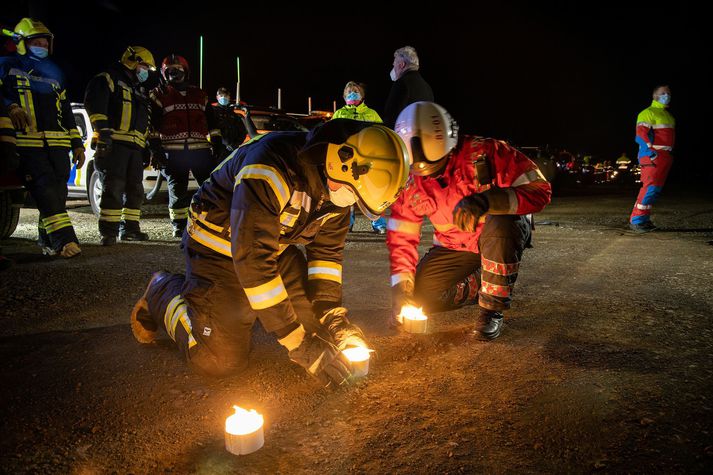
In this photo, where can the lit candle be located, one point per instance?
(413, 319)
(359, 359)
(243, 432)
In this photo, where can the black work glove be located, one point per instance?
(322, 359)
(158, 157)
(469, 210)
(103, 143)
(401, 295)
(343, 333)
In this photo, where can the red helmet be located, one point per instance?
(174, 59)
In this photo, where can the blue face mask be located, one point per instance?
(664, 99)
(223, 101)
(39, 52)
(142, 74)
(353, 98)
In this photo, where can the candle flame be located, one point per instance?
(243, 421)
(413, 313)
(357, 353)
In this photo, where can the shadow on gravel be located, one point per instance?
(597, 355)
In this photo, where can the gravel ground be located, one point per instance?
(604, 364)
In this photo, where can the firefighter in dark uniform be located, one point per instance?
(183, 119)
(33, 90)
(231, 126)
(119, 110)
(277, 191)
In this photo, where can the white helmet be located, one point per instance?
(430, 133)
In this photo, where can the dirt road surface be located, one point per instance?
(604, 364)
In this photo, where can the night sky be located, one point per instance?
(567, 75)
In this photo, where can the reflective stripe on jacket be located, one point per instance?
(38, 87)
(433, 197)
(655, 130)
(115, 101)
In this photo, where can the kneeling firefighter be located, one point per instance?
(276, 191)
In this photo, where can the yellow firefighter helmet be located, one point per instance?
(374, 164)
(28, 29)
(135, 55)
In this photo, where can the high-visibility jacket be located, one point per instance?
(37, 85)
(7, 131)
(358, 112)
(264, 198)
(524, 190)
(655, 130)
(117, 102)
(183, 118)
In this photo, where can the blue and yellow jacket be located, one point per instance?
(265, 196)
(37, 85)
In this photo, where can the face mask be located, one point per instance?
(223, 101)
(664, 99)
(142, 74)
(39, 52)
(176, 75)
(392, 74)
(343, 197)
(353, 98)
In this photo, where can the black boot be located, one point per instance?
(133, 236)
(143, 326)
(108, 240)
(489, 324)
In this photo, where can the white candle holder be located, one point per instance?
(413, 319)
(244, 432)
(359, 359)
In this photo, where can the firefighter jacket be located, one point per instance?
(37, 85)
(655, 130)
(8, 159)
(264, 198)
(116, 101)
(512, 182)
(359, 112)
(183, 118)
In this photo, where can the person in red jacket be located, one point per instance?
(186, 129)
(477, 192)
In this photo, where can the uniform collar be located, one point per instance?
(657, 105)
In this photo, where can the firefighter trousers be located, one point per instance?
(207, 314)
(121, 172)
(45, 172)
(448, 279)
(178, 165)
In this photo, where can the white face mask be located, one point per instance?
(343, 197)
(392, 74)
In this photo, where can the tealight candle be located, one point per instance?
(413, 319)
(359, 359)
(243, 431)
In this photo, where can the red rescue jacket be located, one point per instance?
(435, 197)
(183, 117)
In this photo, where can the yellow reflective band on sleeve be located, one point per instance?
(95, 117)
(266, 295)
(529, 177)
(74, 134)
(109, 80)
(271, 176)
(205, 238)
(125, 110)
(214, 133)
(176, 312)
(8, 138)
(204, 221)
(288, 219)
(406, 227)
(326, 270)
(6, 123)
